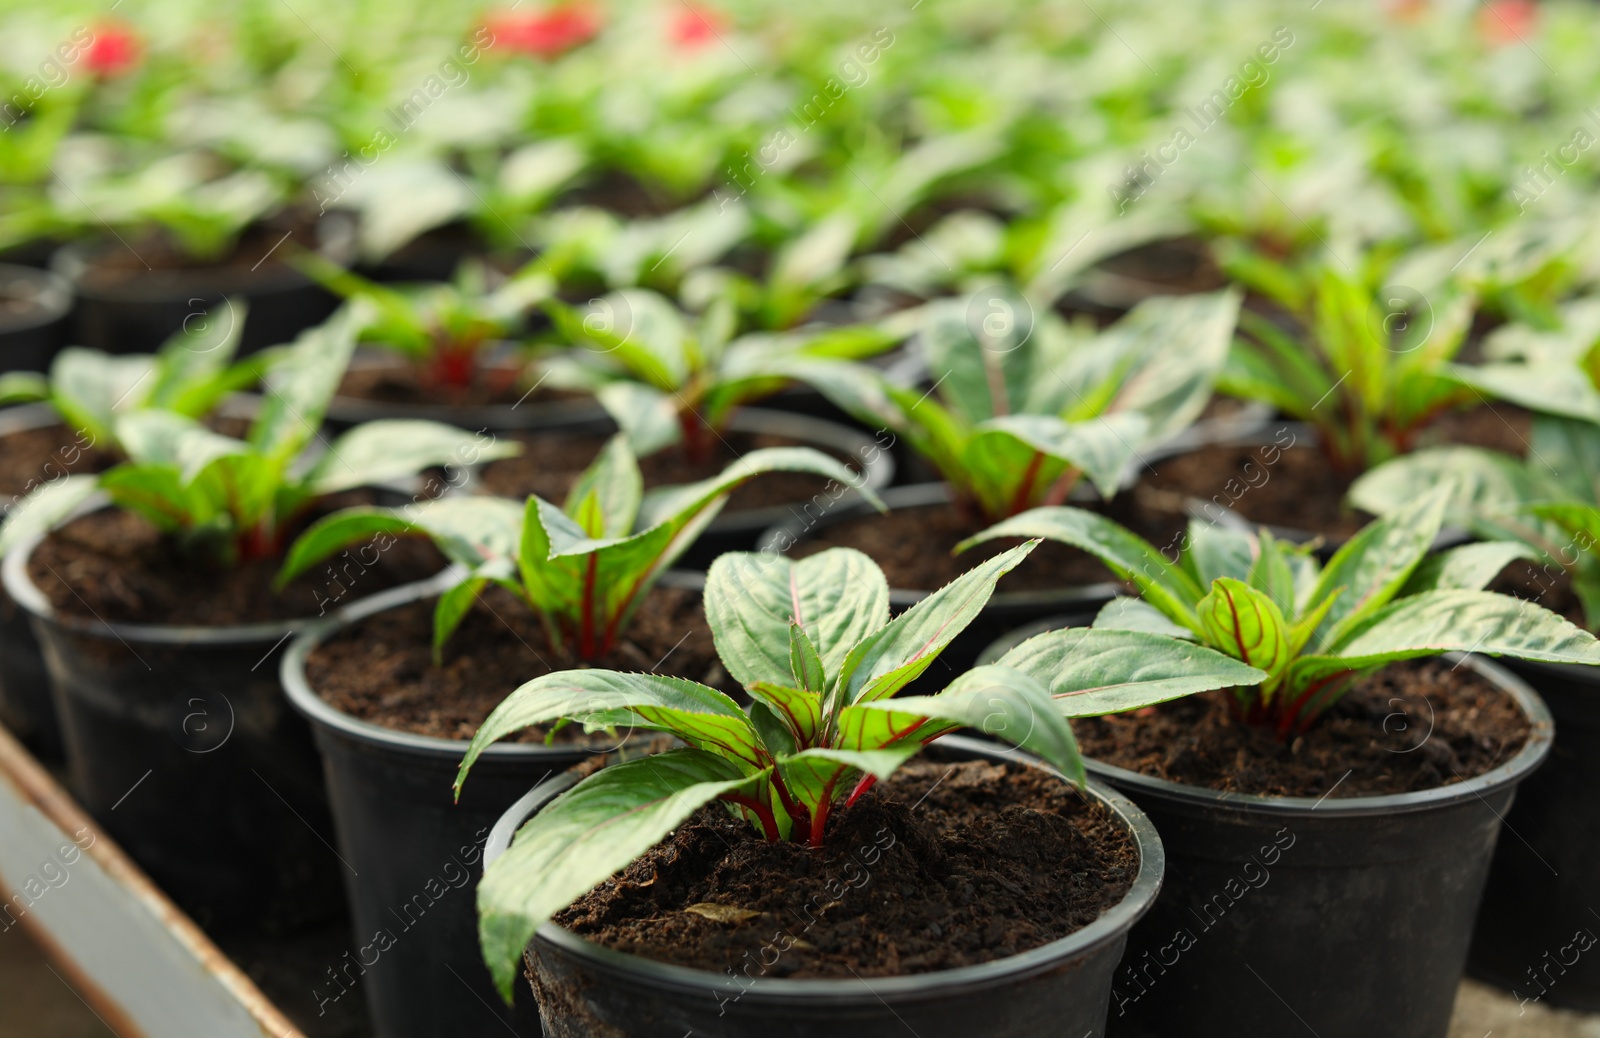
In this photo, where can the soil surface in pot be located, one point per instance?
(1548, 585)
(551, 462)
(1497, 426)
(381, 669)
(946, 865)
(256, 253)
(31, 457)
(402, 382)
(1286, 482)
(1413, 726)
(1286, 486)
(113, 565)
(913, 547)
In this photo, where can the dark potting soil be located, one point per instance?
(1181, 264)
(381, 668)
(551, 462)
(115, 566)
(1282, 482)
(405, 383)
(32, 457)
(1544, 583)
(913, 548)
(1414, 725)
(1499, 427)
(944, 866)
(256, 252)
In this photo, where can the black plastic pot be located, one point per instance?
(1293, 915)
(180, 743)
(1006, 609)
(30, 337)
(414, 853)
(25, 704)
(347, 411)
(1058, 989)
(1538, 930)
(138, 314)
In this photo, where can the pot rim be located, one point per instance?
(305, 700)
(19, 418)
(20, 586)
(924, 495)
(55, 297)
(1112, 925)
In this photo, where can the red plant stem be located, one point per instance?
(769, 823)
(454, 365)
(796, 810)
(586, 646)
(1019, 500)
(696, 436)
(819, 821)
(866, 783)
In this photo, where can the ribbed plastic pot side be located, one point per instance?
(1537, 933)
(1277, 911)
(180, 742)
(1058, 988)
(414, 852)
(25, 704)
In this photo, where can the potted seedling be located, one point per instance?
(64, 424)
(156, 614)
(1350, 786)
(1023, 409)
(1361, 366)
(677, 384)
(394, 690)
(767, 803)
(448, 351)
(185, 230)
(1547, 503)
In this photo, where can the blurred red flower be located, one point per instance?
(113, 50)
(546, 33)
(693, 26)
(1507, 21)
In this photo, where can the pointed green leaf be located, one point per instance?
(839, 596)
(798, 709)
(1445, 621)
(1135, 614)
(1470, 567)
(896, 654)
(378, 451)
(1374, 565)
(1091, 672)
(586, 836)
(604, 501)
(1164, 585)
(451, 609)
(1247, 625)
(1003, 703)
(821, 773)
(701, 716)
(804, 662)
